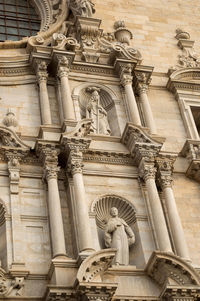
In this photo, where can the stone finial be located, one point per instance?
(10, 120)
(182, 35)
(122, 34)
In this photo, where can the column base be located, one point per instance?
(69, 125)
(50, 132)
(62, 271)
(18, 269)
(83, 255)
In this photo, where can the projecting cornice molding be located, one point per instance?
(10, 140)
(167, 268)
(140, 143)
(178, 279)
(185, 80)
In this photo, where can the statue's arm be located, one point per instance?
(108, 239)
(130, 235)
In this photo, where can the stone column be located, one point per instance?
(126, 81)
(67, 102)
(165, 179)
(147, 171)
(42, 76)
(54, 206)
(142, 89)
(81, 208)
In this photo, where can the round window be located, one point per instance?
(18, 19)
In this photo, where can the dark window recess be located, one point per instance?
(18, 19)
(196, 116)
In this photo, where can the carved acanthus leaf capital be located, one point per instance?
(75, 161)
(75, 146)
(142, 81)
(41, 70)
(49, 156)
(63, 66)
(147, 170)
(51, 171)
(165, 167)
(125, 71)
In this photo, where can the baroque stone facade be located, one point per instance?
(100, 153)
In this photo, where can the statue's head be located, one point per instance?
(114, 211)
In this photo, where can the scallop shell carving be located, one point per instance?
(101, 208)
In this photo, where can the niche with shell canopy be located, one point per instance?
(101, 208)
(107, 116)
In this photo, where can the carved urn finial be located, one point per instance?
(182, 35)
(10, 120)
(122, 34)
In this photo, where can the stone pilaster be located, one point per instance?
(14, 158)
(165, 171)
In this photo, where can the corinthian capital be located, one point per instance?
(41, 70)
(75, 162)
(142, 78)
(51, 171)
(165, 167)
(147, 171)
(63, 66)
(126, 74)
(49, 156)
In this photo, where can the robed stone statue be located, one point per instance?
(120, 236)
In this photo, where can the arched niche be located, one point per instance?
(107, 100)
(3, 239)
(100, 210)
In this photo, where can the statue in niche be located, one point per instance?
(120, 236)
(97, 113)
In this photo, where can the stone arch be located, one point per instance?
(108, 101)
(173, 274)
(95, 265)
(101, 207)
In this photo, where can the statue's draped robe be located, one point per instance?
(116, 237)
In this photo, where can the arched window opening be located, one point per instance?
(18, 19)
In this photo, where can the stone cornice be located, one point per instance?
(140, 144)
(109, 157)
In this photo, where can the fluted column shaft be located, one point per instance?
(156, 209)
(148, 116)
(42, 76)
(55, 213)
(174, 218)
(81, 207)
(67, 102)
